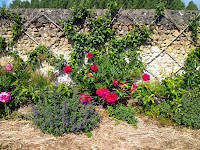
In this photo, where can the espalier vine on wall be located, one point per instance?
(3, 44)
(193, 27)
(116, 56)
(16, 23)
(160, 9)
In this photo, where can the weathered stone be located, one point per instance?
(176, 33)
(163, 33)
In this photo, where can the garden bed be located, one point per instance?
(149, 134)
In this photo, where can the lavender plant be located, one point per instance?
(57, 115)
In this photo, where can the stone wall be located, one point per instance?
(163, 54)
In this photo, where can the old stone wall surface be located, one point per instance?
(164, 53)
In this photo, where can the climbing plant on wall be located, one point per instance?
(16, 23)
(113, 56)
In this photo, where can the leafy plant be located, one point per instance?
(190, 112)
(79, 14)
(123, 113)
(16, 23)
(191, 70)
(160, 9)
(160, 98)
(193, 26)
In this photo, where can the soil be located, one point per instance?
(19, 134)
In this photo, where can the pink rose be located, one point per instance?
(9, 68)
(85, 97)
(67, 69)
(146, 77)
(93, 67)
(5, 97)
(89, 54)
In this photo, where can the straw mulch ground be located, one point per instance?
(149, 135)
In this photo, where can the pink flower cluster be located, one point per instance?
(5, 97)
(9, 68)
(105, 94)
(85, 97)
(102, 92)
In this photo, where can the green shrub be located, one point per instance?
(123, 113)
(57, 115)
(168, 90)
(190, 113)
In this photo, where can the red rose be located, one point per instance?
(85, 97)
(93, 67)
(133, 88)
(111, 98)
(102, 92)
(115, 82)
(67, 69)
(146, 77)
(89, 54)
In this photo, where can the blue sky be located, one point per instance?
(197, 2)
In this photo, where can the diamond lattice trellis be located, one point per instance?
(159, 47)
